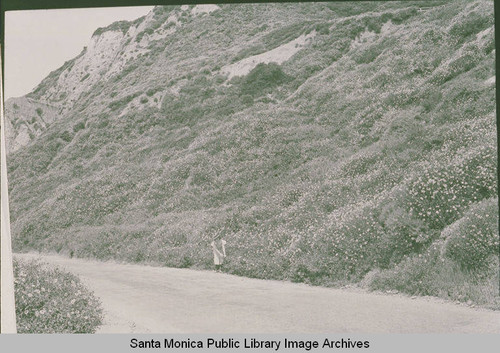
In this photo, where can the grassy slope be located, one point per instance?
(352, 161)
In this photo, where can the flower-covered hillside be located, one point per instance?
(368, 156)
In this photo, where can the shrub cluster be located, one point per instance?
(161, 13)
(429, 273)
(414, 275)
(79, 126)
(470, 56)
(263, 78)
(53, 301)
(122, 102)
(473, 239)
(471, 24)
(359, 172)
(122, 26)
(440, 195)
(249, 51)
(284, 34)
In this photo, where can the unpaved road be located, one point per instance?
(148, 299)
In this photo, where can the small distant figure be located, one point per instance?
(218, 255)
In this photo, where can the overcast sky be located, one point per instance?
(40, 41)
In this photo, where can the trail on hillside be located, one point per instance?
(143, 299)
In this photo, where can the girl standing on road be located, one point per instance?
(219, 256)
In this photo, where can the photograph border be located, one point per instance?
(16, 5)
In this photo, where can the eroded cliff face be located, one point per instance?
(27, 117)
(107, 54)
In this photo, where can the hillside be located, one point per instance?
(329, 143)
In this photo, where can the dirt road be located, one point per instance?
(148, 299)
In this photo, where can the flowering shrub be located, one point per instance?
(474, 238)
(413, 275)
(348, 158)
(431, 274)
(403, 235)
(360, 163)
(53, 301)
(369, 54)
(440, 195)
(470, 56)
(473, 23)
(352, 239)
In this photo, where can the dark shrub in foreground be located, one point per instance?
(52, 301)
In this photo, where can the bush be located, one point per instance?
(122, 26)
(430, 274)
(127, 70)
(79, 126)
(412, 276)
(53, 301)
(283, 35)
(84, 77)
(403, 235)
(359, 164)
(323, 28)
(470, 58)
(250, 51)
(472, 24)
(247, 99)
(369, 54)
(431, 99)
(474, 238)
(404, 14)
(352, 242)
(151, 91)
(66, 136)
(262, 78)
(122, 102)
(440, 195)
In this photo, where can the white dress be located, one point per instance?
(218, 256)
